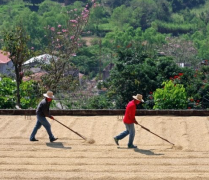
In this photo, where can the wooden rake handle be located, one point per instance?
(155, 134)
(70, 129)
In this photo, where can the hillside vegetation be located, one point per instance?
(142, 38)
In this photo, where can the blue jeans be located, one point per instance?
(42, 121)
(130, 130)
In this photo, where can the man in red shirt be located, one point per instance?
(129, 121)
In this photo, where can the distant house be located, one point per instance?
(34, 65)
(184, 64)
(44, 58)
(204, 62)
(6, 64)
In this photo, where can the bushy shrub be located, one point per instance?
(7, 93)
(29, 94)
(171, 96)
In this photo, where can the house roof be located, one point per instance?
(4, 57)
(42, 58)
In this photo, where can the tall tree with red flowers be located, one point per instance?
(63, 43)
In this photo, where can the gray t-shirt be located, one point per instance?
(43, 108)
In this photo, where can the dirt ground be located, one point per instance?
(70, 157)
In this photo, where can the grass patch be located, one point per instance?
(106, 27)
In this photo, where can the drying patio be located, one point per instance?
(70, 157)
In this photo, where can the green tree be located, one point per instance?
(121, 17)
(171, 96)
(164, 10)
(143, 13)
(136, 71)
(98, 17)
(147, 40)
(115, 3)
(29, 92)
(7, 91)
(16, 42)
(124, 80)
(87, 61)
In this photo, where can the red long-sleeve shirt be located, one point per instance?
(129, 117)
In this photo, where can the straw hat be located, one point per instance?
(49, 94)
(138, 97)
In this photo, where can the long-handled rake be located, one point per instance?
(155, 134)
(90, 141)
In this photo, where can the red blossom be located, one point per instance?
(180, 74)
(191, 100)
(189, 107)
(129, 45)
(198, 101)
(150, 92)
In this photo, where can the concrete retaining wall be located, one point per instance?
(140, 112)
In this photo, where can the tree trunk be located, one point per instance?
(18, 85)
